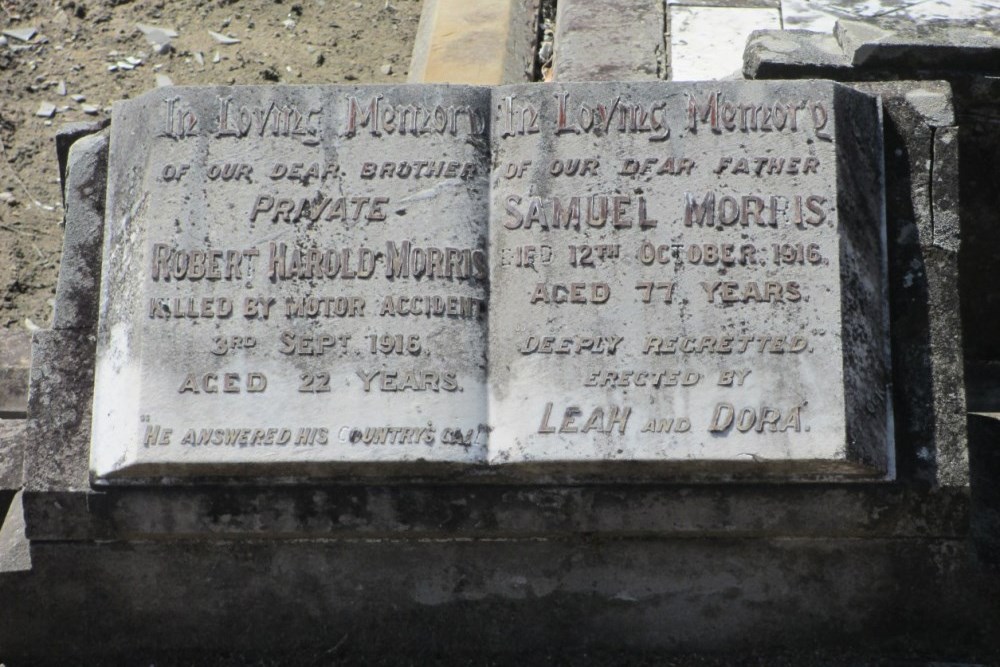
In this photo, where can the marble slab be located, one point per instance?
(300, 281)
(292, 275)
(689, 272)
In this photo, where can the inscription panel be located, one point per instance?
(425, 277)
(689, 272)
(294, 275)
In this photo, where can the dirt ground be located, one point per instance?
(79, 42)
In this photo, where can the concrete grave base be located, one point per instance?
(364, 571)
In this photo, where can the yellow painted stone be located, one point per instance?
(485, 42)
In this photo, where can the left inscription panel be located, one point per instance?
(293, 277)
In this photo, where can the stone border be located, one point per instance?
(483, 42)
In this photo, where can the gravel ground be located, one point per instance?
(65, 61)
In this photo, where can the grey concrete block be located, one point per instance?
(978, 115)
(927, 339)
(15, 555)
(66, 136)
(926, 327)
(960, 46)
(771, 53)
(377, 600)
(80, 271)
(945, 189)
(872, 49)
(439, 511)
(596, 41)
(57, 443)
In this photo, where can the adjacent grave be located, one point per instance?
(300, 278)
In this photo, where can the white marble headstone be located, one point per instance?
(310, 279)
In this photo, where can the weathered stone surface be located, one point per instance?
(57, 436)
(734, 4)
(14, 552)
(80, 269)
(500, 33)
(771, 53)
(490, 512)
(822, 16)
(927, 333)
(373, 601)
(11, 453)
(945, 187)
(874, 49)
(890, 43)
(15, 361)
(597, 42)
(293, 275)
(248, 392)
(66, 137)
(984, 457)
(978, 116)
(705, 41)
(468, 568)
(588, 359)
(928, 374)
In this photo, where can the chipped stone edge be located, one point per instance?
(15, 553)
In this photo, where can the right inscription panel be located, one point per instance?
(689, 272)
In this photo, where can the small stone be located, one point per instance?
(158, 37)
(148, 30)
(46, 110)
(162, 49)
(3, 41)
(217, 58)
(132, 60)
(8, 198)
(112, 68)
(199, 58)
(125, 65)
(223, 39)
(162, 80)
(289, 23)
(386, 69)
(29, 325)
(78, 98)
(61, 88)
(90, 109)
(21, 34)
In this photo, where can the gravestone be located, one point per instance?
(293, 275)
(323, 280)
(691, 273)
